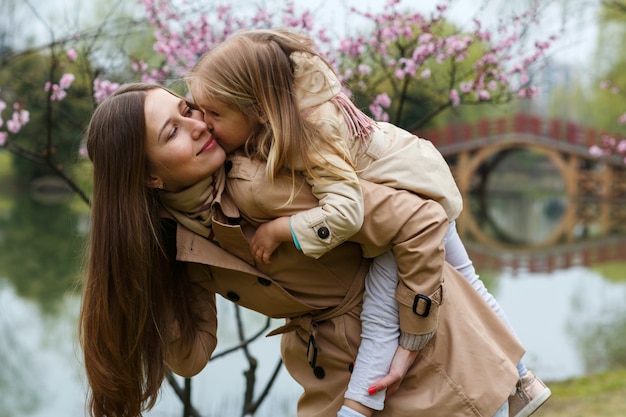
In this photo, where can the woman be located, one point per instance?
(149, 295)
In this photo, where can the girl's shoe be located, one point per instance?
(530, 393)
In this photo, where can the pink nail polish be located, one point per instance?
(372, 390)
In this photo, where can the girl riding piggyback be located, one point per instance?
(306, 124)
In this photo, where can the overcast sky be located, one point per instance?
(575, 47)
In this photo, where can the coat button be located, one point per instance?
(323, 232)
(319, 373)
(264, 281)
(232, 296)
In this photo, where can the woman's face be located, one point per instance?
(179, 146)
(230, 127)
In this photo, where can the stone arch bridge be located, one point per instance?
(595, 187)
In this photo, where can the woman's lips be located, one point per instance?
(209, 144)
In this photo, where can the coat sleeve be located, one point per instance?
(186, 359)
(414, 228)
(339, 214)
(340, 210)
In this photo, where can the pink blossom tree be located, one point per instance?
(611, 144)
(397, 57)
(613, 79)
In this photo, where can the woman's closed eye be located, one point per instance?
(172, 133)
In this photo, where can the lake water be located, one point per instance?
(41, 374)
(554, 313)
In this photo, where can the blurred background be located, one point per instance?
(528, 110)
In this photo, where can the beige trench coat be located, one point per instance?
(467, 369)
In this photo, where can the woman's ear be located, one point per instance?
(155, 182)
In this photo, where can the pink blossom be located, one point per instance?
(380, 101)
(483, 95)
(139, 66)
(454, 98)
(364, 69)
(66, 81)
(3, 138)
(383, 100)
(622, 118)
(425, 73)
(72, 54)
(18, 120)
(608, 141)
(24, 116)
(466, 87)
(103, 89)
(596, 151)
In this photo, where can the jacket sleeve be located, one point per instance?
(186, 359)
(339, 214)
(414, 229)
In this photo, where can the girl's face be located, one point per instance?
(180, 149)
(230, 127)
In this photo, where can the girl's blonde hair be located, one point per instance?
(252, 72)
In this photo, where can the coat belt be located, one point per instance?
(307, 321)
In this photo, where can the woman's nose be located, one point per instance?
(198, 127)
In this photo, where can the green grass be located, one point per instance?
(601, 395)
(612, 271)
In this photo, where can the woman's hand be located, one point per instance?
(268, 237)
(402, 361)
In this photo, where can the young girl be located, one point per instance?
(268, 90)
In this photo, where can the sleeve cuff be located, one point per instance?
(415, 341)
(293, 235)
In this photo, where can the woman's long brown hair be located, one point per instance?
(133, 288)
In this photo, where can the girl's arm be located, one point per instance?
(331, 217)
(338, 213)
(268, 237)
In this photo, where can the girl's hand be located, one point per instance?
(268, 237)
(402, 361)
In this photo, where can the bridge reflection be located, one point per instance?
(560, 256)
(535, 198)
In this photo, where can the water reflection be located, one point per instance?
(520, 200)
(40, 374)
(555, 313)
(569, 315)
(40, 250)
(601, 340)
(17, 371)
